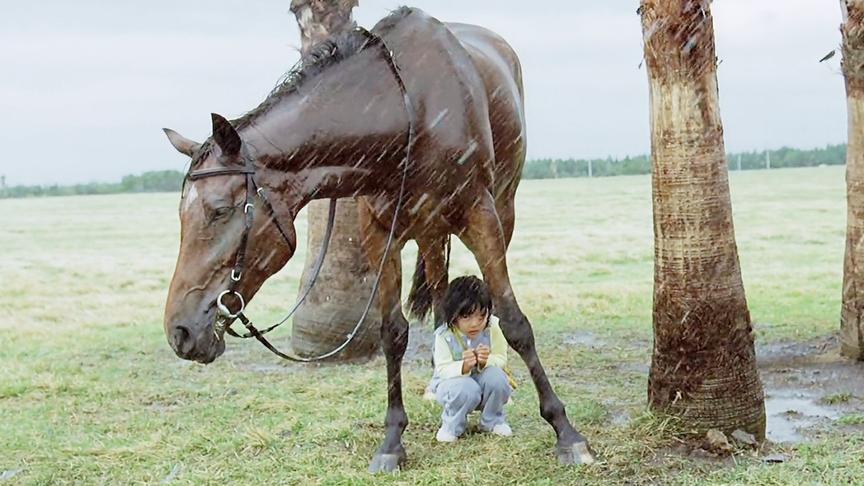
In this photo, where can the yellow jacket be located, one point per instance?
(449, 344)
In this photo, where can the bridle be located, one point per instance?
(226, 317)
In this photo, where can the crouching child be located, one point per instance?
(470, 355)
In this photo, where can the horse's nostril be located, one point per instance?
(183, 342)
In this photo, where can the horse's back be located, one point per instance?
(439, 75)
(492, 55)
(465, 85)
(501, 71)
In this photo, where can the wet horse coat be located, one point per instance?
(337, 128)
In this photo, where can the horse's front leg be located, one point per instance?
(485, 237)
(394, 338)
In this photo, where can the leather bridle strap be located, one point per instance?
(251, 188)
(201, 174)
(406, 163)
(316, 270)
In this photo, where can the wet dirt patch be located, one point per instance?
(808, 387)
(790, 416)
(618, 417)
(584, 339)
(419, 342)
(786, 352)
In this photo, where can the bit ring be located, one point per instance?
(223, 309)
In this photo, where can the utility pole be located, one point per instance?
(590, 169)
(767, 159)
(739, 162)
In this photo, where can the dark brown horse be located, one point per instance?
(338, 127)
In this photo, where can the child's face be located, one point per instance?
(472, 325)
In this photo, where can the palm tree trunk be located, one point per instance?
(852, 314)
(318, 19)
(345, 283)
(703, 367)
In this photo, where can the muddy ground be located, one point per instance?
(809, 387)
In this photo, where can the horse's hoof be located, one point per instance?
(578, 453)
(386, 463)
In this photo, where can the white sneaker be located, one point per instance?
(445, 435)
(502, 429)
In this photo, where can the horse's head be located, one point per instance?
(225, 255)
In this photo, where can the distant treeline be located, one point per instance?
(155, 181)
(171, 180)
(781, 158)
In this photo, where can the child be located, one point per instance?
(470, 354)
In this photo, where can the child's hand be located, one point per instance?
(469, 360)
(482, 354)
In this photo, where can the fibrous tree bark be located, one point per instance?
(339, 297)
(703, 366)
(319, 19)
(852, 313)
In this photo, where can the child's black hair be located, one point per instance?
(465, 296)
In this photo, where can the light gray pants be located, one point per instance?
(488, 391)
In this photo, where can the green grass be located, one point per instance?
(852, 419)
(91, 393)
(837, 398)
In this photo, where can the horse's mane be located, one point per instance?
(327, 53)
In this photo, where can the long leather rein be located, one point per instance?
(226, 317)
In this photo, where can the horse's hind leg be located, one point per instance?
(394, 338)
(435, 254)
(507, 215)
(484, 236)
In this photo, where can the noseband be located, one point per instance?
(226, 316)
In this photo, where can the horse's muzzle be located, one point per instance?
(196, 343)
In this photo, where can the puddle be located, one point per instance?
(641, 369)
(787, 415)
(269, 368)
(619, 418)
(420, 340)
(798, 377)
(792, 351)
(584, 338)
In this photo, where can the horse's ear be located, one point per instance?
(181, 143)
(225, 135)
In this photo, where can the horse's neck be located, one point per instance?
(335, 147)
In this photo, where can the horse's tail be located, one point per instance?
(420, 298)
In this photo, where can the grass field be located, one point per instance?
(90, 392)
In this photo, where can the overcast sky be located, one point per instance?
(85, 86)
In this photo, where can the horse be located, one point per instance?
(424, 123)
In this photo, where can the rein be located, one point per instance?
(226, 317)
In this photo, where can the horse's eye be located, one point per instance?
(221, 213)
